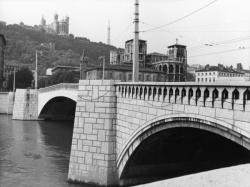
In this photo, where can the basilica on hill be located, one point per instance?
(59, 27)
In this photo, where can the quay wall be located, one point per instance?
(6, 102)
(25, 105)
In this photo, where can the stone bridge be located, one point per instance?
(118, 126)
(114, 119)
(57, 101)
(54, 102)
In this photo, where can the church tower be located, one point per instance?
(43, 22)
(56, 23)
(67, 24)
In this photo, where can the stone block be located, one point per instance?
(84, 82)
(224, 113)
(191, 109)
(88, 158)
(88, 128)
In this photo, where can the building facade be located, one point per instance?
(116, 56)
(246, 72)
(128, 53)
(124, 73)
(74, 69)
(9, 69)
(174, 64)
(155, 57)
(2, 48)
(218, 74)
(60, 27)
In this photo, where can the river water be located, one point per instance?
(34, 153)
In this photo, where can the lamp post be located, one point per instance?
(103, 66)
(136, 44)
(36, 70)
(83, 65)
(14, 80)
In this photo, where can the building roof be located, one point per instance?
(133, 40)
(216, 68)
(176, 45)
(66, 67)
(3, 38)
(119, 67)
(156, 54)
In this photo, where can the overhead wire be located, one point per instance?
(179, 36)
(214, 44)
(181, 18)
(221, 52)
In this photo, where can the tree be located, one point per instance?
(190, 77)
(24, 79)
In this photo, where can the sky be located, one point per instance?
(219, 33)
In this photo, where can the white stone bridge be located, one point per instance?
(115, 122)
(113, 119)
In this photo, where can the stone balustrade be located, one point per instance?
(235, 96)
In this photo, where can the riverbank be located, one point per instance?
(225, 177)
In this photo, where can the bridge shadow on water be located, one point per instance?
(181, 151)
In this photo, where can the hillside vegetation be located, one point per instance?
(22, 41)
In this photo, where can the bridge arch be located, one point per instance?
(159, 124)
(47, 94)
(58, 108)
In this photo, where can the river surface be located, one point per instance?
(34, 153)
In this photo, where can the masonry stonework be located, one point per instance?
(25, 105)
(6, 100)
(140, 105)
(93, 150)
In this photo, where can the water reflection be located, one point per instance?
(34, 153)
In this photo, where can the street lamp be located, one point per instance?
(103, 66)
(83, 64)
(36, 74)
(14, 80)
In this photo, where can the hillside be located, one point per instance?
(22, 41)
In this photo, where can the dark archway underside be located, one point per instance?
(180, 151)
(59, 108)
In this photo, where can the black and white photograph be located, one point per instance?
(118, 93)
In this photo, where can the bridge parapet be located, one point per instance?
(233, 96)
(65, 86)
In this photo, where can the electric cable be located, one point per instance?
(181, 18)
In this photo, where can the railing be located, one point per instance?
(229, 95)
(65, 86)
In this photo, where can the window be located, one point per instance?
(201, 79)
(205, 79)
(148, 78)
(209, 73)
(129, 76)
(214, 79)
(214, 73)
(209, 79)
(198, 79)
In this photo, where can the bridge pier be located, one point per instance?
(25, 104)
(93, 150)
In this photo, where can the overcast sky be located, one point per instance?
(220, 22)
